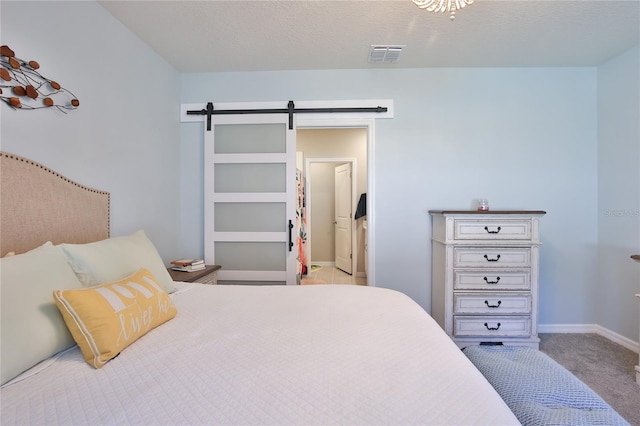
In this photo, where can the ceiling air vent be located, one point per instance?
(385, 53)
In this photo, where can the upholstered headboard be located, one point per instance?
(39, 205)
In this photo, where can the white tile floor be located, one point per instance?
(331, 275)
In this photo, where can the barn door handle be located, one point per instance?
(290, 236)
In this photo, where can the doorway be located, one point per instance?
(324, 150)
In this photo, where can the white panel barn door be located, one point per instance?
(250, 189)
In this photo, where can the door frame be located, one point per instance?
(368, 122)
(354, 170)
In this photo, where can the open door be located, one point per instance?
(343, 218)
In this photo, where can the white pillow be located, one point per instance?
(32, 328)
(115, 258)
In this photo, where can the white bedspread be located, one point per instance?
(319, 354)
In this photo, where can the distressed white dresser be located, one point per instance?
(484, 277)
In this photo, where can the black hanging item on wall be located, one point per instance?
(361, 210)
(291, 109)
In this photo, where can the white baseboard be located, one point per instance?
(591, 328)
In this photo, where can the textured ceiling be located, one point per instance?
(208, 36)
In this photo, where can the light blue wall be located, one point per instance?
(523, 138)
(534, 138)
(619, 193)
(125, 136)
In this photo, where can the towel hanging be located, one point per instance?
(361, 210)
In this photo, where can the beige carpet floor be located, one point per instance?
(605, 366)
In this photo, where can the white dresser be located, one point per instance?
(484, 280)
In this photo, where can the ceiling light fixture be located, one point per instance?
(436, 6)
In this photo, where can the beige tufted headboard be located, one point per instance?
(39, 205)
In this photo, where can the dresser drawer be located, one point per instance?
(491, 257)
(491, 303)
(494, 326)
(492, 229)
(494, 279)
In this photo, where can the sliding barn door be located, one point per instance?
(250, 212)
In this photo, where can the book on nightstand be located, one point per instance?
(188, 265)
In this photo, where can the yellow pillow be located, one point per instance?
(107, 318)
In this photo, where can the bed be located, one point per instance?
(318, 354)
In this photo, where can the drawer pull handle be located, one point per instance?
(493, 306)
(492, 328)
(492, 282)
(492, 260)
(486, 228)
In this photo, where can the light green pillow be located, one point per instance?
(115, 258)
(32, 328)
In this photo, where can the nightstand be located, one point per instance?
(209, 275)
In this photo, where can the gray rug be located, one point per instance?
(606, 367)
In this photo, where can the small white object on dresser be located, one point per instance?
(484, 276)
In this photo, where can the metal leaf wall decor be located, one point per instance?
(23, 87)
